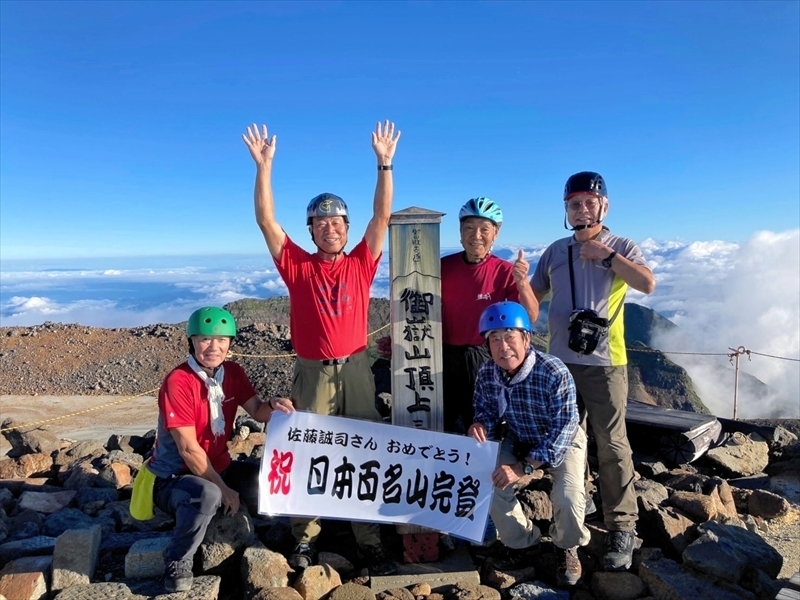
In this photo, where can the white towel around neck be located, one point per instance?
(215, 395)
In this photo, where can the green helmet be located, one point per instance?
(211, 321)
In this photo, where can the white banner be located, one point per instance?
(321, 466)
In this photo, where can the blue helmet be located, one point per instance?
(504, 315)
(483, 208)
(326, 205)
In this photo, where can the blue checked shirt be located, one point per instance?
(538, 404)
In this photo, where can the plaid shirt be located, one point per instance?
(538, 404)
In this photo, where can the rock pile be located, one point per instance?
(69, 359)
(66, 533)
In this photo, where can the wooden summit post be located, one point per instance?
(416, 313)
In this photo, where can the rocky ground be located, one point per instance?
(54, 370)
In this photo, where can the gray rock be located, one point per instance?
(652, 491)
(767, 505)
(291, 594)
(7, 499)
(92, 495)
(29, 442)
(119, 541)
(90, 449)
(45, 502)
(316, 582)
(757, 553)
(617, 586)
(82, 474)
(536, 591)
(25, 530)
(122, 514)
(472, 591)
(262, 568)
(35, 546)
(668, 581)
(751, 482)
(203, 588)
(698, 507)
(25, 578)
(740, 455)
(398, 593)
(225, 537)
(68, 518)
(75, 557)
(349, 591)
(130, 459)
(665, 527)
(145, 559)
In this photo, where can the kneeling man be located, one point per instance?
(534, 394)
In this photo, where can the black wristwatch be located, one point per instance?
(527, 468)
(606, 262)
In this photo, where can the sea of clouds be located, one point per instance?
(721, 295)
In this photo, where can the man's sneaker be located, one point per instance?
(303, 556)
(568, 567)
(378, 562)
(618, 550)
(178, 577)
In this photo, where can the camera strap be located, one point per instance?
(572, 287)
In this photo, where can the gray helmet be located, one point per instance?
(326, 205)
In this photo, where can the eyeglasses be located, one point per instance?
(590, 205)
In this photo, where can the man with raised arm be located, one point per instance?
(588, 274)
(329, 303)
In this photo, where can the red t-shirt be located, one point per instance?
(183, 402)
(328, 302)
(467, 289)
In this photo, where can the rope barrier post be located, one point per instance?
(734, 356)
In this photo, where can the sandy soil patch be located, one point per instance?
(98, 416)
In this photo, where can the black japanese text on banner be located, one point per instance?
(321, 466)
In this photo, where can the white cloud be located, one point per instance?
(727, 295)
(720, 294)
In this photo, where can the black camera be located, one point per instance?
(586, 330)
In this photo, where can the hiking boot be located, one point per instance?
(377, 561)
(568, 567)
(618, 550)
(178, 577)
(303, 556)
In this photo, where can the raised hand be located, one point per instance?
(384, 142)
(520, 269)
(261, 147)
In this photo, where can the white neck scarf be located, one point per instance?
(521, 375)
(215, 395)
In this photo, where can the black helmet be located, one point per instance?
(585, 181)
(326, 205)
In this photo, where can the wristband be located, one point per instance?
(269, 403)
(385, 167)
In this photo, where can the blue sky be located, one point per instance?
(120, 122)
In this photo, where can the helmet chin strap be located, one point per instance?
(600, 217)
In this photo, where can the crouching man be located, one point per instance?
(534, 394)
(197, 406)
